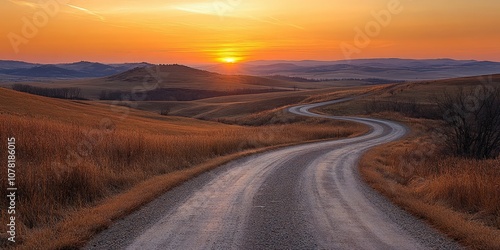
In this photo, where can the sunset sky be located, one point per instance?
(198, 31)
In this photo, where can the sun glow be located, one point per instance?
(229, 60)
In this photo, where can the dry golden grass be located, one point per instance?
(236, 107)
(74, 177)
(91, 114)
(458, 196)
(81, 225)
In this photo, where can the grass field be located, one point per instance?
(234, 109)
(74, 156)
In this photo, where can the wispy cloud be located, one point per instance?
(87, 11)
(207, 8)
(210, 9)
(275, 21)
(24, 3)
(35, 4)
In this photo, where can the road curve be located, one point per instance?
(308, 196)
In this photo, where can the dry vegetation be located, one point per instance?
(237, 107)
(459, 196)
(71, 171)
(65, 204)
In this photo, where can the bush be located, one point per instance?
(473, 119)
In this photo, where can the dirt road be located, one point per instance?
(301, 197)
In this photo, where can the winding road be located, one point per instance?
(308, 196)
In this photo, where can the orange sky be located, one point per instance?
(207, 31)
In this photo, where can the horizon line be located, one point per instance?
(260, 60)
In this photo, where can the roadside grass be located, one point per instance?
(456, 195)
(80, 225)
(74, 178)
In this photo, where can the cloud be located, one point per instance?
(275, 21)
(30, 4)
(197, 8)
(35, 4)
(86, 11)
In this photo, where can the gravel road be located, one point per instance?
(308, 196)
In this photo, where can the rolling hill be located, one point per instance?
(81, 69)
(90, 114)
(423, 93)
(180, 76)
(390, 68)
(165, 78)
(393, 69)
(48, 71)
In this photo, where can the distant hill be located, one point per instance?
(181, 76)
(185, 80)
(171, 73)
(5, 64)
(90, 69)
(70, 70)
(44, 71)
(390, 68)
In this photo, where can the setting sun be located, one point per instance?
(229, 60)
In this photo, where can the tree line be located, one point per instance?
(62, 93)
(176, 94)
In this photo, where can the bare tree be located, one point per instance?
(473, 119)
(165, 111)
